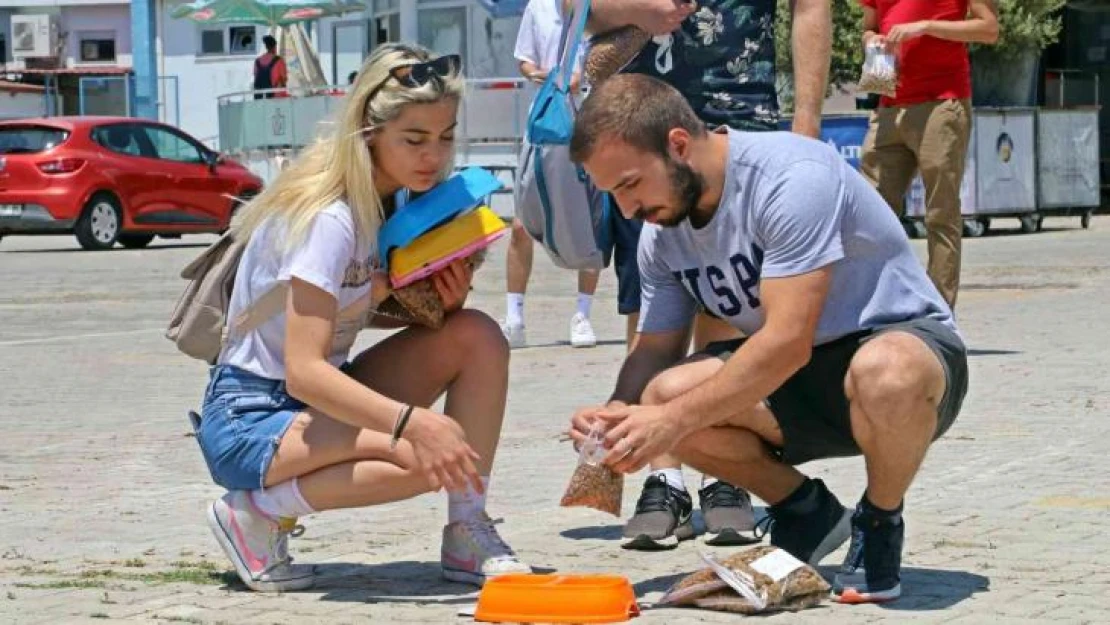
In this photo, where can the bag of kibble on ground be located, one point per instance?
(880, 71)
(755, 581)
(593, 484)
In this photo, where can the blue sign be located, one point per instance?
(845, 133)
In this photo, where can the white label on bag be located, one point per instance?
(777, 564)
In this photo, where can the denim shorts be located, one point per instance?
(243, 420)
(626, 240)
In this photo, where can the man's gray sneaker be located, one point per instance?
(662, 517)
(729, 519)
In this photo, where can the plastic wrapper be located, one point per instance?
(880, 71)
(755, 581)
(594, 485)
(419, 303)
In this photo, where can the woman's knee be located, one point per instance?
(476, 335)
(744, 446)
(675, 381)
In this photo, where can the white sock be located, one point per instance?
(467, 504)
(283, 500)
(584, 302)
(708, 480)
(514, 309)
(672, 476)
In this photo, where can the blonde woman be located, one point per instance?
(289, 426)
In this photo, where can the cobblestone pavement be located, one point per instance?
(102, 492)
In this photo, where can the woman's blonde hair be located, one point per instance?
(339, 165)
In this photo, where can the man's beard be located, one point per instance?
(687, 187)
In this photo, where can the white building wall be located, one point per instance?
(113, 19)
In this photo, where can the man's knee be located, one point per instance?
(891, 374)
(518, 235)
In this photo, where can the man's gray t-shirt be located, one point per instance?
(790, 205)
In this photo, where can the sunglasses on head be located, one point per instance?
(418, 74)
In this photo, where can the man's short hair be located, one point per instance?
(636, 109)
(269, 42)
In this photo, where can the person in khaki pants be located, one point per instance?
(925, 126)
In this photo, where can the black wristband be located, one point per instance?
(399, 426)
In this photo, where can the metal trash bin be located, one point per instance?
(999, 173)
(1068, 179)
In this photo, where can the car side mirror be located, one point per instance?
(213, 159)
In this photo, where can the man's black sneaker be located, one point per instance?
(729, 519)
(814, 533)
(662, 517)
(870, 573)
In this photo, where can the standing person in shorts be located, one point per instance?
(537, 51)
(849, 347)
(720, 55)
(290, 426)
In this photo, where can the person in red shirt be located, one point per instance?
(925, 126)
(269, 70)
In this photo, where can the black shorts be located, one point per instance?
(812, 409)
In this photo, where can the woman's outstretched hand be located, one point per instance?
(441, 450)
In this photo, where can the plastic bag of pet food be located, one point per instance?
(593, 484)
(760, 580)
(880, 71)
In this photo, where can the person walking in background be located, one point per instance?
(269, 69)
(537, 50)
(720, 55)
(926, 125)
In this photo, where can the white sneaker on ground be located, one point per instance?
(515, 334)
(257, 545)
(473, 552)
(581, 332)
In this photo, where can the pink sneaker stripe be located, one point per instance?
(253, 562)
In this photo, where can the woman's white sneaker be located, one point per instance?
(257, 545)
(473, 552)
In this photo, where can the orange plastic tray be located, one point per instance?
(556, 599)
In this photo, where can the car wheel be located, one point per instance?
(135, 241)
(99, 224)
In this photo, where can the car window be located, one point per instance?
(172, 146)
(30, 139)
(118, 138)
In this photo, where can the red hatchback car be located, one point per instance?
(109, 179)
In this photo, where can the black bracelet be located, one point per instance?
(399, 426)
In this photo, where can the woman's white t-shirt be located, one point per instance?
(330, 257)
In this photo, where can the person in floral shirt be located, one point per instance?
(720, 54)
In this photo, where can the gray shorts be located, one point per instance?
(812, 409)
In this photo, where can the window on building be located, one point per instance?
(212, 41)
(97, 47)
(228, 40)
(242, 39)
(3, 49)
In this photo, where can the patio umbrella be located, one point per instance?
(286, 20)
(272, 13)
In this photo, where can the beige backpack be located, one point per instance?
(199, 325)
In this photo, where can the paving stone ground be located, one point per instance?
(102, 493)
